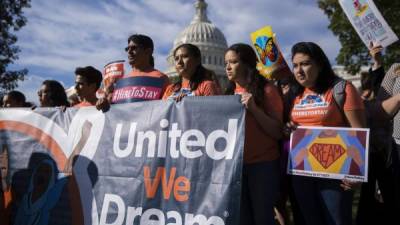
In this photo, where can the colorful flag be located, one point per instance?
(271, 63)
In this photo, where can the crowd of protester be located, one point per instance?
(273, 112)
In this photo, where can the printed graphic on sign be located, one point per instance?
(43, 194)
(360, 7)
(40, 161)
(112, 72)
(138, 88)
(267, 50)
(368, 22)
(328, 152)
(271, 62)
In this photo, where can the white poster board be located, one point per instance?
(329, 152)
(368, 22)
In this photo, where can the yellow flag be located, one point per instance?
(271, 63)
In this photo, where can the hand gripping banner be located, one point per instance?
(156, 162)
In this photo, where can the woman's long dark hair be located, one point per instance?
(326, 76)
(257, 82)
(57, 95)
(200, 73)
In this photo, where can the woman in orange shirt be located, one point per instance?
(194, 79)
(264, 111)
(321, 201)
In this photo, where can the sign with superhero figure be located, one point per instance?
(368, 22)
(271, 63)
(154, 162)
(329, 152)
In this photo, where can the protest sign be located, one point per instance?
(271, 63)
(329, 152)
(112, 72)
(368, 22)
(154, 162)
(137, 88)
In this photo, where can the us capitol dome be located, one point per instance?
(208, 38)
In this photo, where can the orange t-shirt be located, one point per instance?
(258, 146)
(312, 109)
(83, 104)
(205, 88)
(152, 73)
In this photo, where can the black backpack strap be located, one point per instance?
(339, 94)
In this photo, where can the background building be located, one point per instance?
(353, 78)
(210, 40)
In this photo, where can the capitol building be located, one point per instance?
(212, 44)
(210, 40)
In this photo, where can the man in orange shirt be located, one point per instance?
(87, 82)
(143, 82)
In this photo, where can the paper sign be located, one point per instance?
(271, 62)
(329, 152)
(113, 71)
(368, 22)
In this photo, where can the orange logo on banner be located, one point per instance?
(327, 154)
(59, 157)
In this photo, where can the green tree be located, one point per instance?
(353, 53)
(11, 20)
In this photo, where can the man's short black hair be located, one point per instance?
(17, 96)
(91, 74)
(142, 40)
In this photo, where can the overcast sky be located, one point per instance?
(61, 35)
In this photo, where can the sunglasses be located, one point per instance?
(132, 47)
